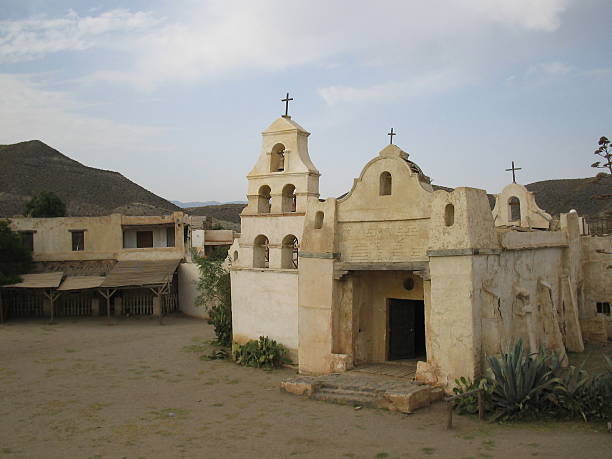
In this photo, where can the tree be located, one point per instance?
(605, 151)
(15, 259)
(44, 205)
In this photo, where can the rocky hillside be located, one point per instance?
(554, 196)
(586, 195)
(29, 167)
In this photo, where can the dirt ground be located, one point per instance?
(86, 389)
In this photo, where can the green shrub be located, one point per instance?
(263, 353)
(469, 403)
(215, 295)
(522, 385)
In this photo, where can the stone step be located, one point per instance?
(356, 392)
(346, 399)
(349, 387)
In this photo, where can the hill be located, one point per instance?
(558, 196)
(554, 196)
(30, 167)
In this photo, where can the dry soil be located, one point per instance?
(135, 389)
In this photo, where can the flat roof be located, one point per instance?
(41, 280)
(81, 282)
(140, 273)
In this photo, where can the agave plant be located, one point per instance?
(521, 383)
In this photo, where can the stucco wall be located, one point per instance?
(264, 303)
(597, 275)
(188, 275)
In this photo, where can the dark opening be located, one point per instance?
(170, 237)
(603, 308)
(406, 329)
(27, 240)
(144, 239)
(78, 241)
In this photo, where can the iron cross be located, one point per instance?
(391, 134)
(286, 100)
(513, 169)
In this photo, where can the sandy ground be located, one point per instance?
(86, 389)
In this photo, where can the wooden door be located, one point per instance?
(402, 329)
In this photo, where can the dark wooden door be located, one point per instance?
(402, 329)
(144, 239)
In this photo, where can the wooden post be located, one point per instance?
(1, 309)
(449, 422)
(481, 405)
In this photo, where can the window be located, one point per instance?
(319, 220)
(289, 198)
(261, 252)
(603, 308)
(144, 239)
(78, 240)
(263, 200)
(277, 158)
(170, 240)
(27, 239)
(289, 255)
(449, 215)
(514, 209)
(385, 184)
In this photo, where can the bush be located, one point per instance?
(469, 403)
(264, 353)
(15, 259)
(45, 204)
(215, 295)
(523, 385)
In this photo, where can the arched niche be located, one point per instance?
(385, 184)
(449, 215)
(289, 198)
(261, 252)
(289, 254)
(514, 209)
(277, 158)
(263, 199)
(319, 216)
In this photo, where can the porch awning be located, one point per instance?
(81, 283)
(41, 280)
(140, 273)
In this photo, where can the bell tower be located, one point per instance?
(284, 177)
(264, 271)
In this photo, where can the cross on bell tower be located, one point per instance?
(514, 169)
(286, 100)
(391, 134)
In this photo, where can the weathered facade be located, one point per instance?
(395, 270)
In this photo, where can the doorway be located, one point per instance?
(406, 329)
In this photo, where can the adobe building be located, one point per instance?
(110, 265)
(396, 271)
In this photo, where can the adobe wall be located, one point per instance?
(264, 303)
(597, 273)
(103, 237)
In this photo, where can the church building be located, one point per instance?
(397, 271)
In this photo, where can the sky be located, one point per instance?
(174, 94)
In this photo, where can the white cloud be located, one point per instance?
(32, 38)
(27, 111)
(216, 39)
(415, 86)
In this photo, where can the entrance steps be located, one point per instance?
(358, 389)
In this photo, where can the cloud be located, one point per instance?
(217, 39)
(412, 87)
(32, 38)
(27, 111)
